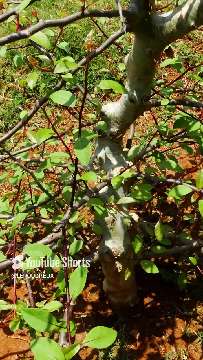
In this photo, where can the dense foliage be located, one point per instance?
(53, 85)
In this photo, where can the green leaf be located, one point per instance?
(200, 206)
(168, 62)
(32, 79)
(64, 46)
(170, 163)
(63, 97)
(65, 64)
(137, 244)
(68, 77)
(77, 281)
(18, 60)
(40, 135)
(44, 58)
(18, 219)
(3, 51)
(158, 249)
(112, 85)
(102, 126)
(99, 206)
(41, 39)
(43, 197)
(179, 191)
(83, 150)
(193, 260)
(161, 233)
(49, 32)
(23, 5)
(181, 122)
(61, 281)
(71, 351)
(53, 306)
(199, 179)
(2, 242)
(149, 267)
(89, 176)
(37, 251)
(14, 324)
(134, 151)
(2, 256)
(97, 229)
(187, 148)
(23, 114)
(59, 157)
(187, 122)
(4, 305)
(164, 102)
(39, 319)
(116, 181)
(44, 213)
(126, 200)
(142, 192)
(74, 217)
(100, 337)
(75, 247)
(72, 328)
(67, 193)
(60, 68)
(44, 348)
(121, 66)
(174, 62)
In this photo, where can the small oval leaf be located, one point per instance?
(63, 97)
(149, 267)
(100, 337)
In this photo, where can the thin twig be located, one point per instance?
(43, 24)
(30, 293)
(60, 84)
(58, 134)
(28, 171)
(175, 102)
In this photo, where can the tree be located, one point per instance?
(153, 31)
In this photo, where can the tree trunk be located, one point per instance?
(151, 35)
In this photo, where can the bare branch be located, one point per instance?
(30, 293)
(7, 15)
(43, 24)
(175, 102)
(120, 13)
(174, 24)
(178, 250)
(13, 11)
(31, 147)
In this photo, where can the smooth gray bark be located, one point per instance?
(159, 30)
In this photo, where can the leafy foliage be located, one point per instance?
(51, 179)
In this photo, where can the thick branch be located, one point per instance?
(178, 250)
(140, 65)
(173, 25)
(13, 11)
(43, 24)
